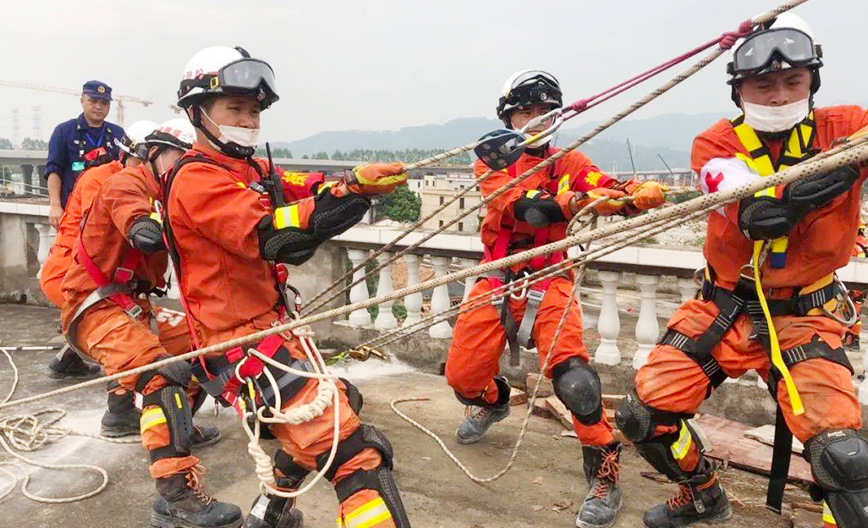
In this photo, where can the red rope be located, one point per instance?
(725, 41)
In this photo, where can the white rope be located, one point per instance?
(327, 394)
(28, 433)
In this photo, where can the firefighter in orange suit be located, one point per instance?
(532, 214)
(777, 242)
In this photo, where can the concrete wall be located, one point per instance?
(19, 245)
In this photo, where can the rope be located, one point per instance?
(550, 271)
(26, 432)
(327, 395)
(850, 153)
(576, 108)
(530, 404)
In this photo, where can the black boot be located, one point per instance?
(183, 503)
(700, 499)
(274, 512)
(604, 499)
(204, 435)
(67, 364)
(122, 417)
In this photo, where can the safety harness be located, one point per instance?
(224, 376)
(798, 148)
(516, 335)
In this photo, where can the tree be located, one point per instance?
(5, 144)
(33, 144)
(321, 155)
(402, 205)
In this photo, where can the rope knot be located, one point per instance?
(728, 40)
(579, 106)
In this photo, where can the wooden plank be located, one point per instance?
(728, 442)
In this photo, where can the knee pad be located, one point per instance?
(382, 481)
(578, 386)
(637, 421)
(354, 396)
(173, 410)
(503, 390)
(362, 438)
(178, 373)
(293, 474)
(839, 463)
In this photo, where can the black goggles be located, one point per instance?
(538, 88)
(243, 77)
(790, 45)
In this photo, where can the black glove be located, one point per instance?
(146, 235)
(765, 218)
(813, 192)
(539, 209)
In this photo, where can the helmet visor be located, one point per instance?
(246, 76)
(755, 54)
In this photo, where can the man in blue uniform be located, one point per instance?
(75, 145)
(80, 143)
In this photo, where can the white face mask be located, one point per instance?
(775, 118)
(245, 137)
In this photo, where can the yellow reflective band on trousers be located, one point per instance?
(532, 193)
(828, 518)
(777, 357)
(681, 447)
(368, 515)
(802, 135)
(151, 418)
(286, 217)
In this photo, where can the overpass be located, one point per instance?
(31, 163)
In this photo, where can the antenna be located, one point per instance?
(630, 150)
(664, 163)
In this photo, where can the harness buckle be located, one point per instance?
(849, 307)
(123, 275)
(134, 311)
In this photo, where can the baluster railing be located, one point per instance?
(609, 324)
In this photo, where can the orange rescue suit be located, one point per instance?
(479, 336)
(60, 257)
(231, 291)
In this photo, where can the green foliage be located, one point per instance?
(34, 144)
(402, 205)
(678, 198)
(5, 144)
(321, 155)
(279, 152)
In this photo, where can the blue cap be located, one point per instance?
(97, 90)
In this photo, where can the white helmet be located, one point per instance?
(221, 70)
(133, 144)
(175, 133)
(788, 42)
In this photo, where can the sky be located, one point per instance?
(386, 64)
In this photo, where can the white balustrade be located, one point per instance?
(359, 292)
(469, 282)
(687, 288)
(647, 327)
(46, 240)
(413, 302)
(440, 299)
(385, 318)
(609, 324)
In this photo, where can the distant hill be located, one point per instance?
(445, 136)
(668, 135)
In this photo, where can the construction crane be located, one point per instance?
(119, 99)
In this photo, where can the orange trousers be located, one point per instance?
(118, 342)
(673, 382)
(307, 441)
(479, 340)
